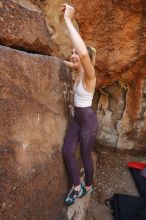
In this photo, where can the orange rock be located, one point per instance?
(117, 29)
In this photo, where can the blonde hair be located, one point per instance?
(91, 52)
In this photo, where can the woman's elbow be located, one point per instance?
(83, 55)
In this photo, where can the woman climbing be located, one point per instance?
(84, 126)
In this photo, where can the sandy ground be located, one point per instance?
(112, 176)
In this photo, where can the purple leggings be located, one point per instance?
(83, 130)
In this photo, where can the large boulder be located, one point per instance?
(23, 26)
(117, 29)
(35, 95)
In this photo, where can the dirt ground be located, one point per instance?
(111, 176)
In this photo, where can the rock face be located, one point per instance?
(36, 94)
(34, 99)
(23, 26)
(117, 29)
(55, 19)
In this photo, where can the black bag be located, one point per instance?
(127, 207)
(140, 181)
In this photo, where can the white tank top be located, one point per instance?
(82, 98)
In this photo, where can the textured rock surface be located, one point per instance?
(117, 29)
(34, 100)
(35, 94)
(55, 19)
(23, 26)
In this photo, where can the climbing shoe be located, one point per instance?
(90, 190)
(73, 194)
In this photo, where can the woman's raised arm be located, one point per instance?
(78, 42)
